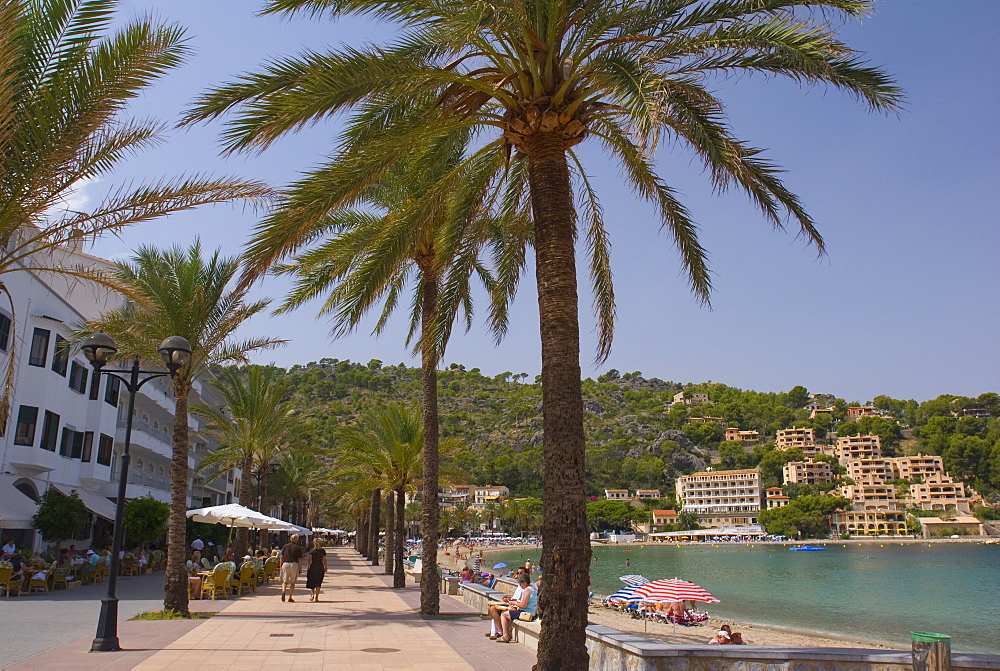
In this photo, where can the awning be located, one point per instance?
(96, 503)
(16, 508)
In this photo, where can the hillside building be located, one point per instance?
(807, 472)
(733, 434)
(721, 499)
(849, 448)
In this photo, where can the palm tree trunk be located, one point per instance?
(373, 531)
(398, 577)
(565, 543)
(361, 535)
(243, 535)
(175, 588)
(390, 528)
(430, 511)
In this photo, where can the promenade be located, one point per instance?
(360, 622)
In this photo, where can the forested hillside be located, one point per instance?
(635, 437)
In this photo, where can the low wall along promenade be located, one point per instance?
(613, 650)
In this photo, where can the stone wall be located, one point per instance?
(613, 650)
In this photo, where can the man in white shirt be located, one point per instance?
(9, 549)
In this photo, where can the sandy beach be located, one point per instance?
(753, 634)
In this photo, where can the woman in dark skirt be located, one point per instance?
(315, 569)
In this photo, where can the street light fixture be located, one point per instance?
(100, 349)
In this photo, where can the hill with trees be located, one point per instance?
(637, 437)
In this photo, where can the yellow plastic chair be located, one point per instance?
(130, 566)
(36, 584)
(270, 569)
(246, 577)
(217, 583)
(60, 578)
(7, 577)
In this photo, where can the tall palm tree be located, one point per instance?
(65, 84)
(256, 424)
(427, 220)
(178, 292)
(545, 75)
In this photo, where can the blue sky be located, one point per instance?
(904, 303)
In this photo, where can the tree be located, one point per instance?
(804, 516)
(256, 424)
(177, 292)
(61, 517)
(545, 76)
(145, 519)
(429, 230)
(66, 83)
(687, 521)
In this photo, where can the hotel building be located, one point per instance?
(807, 472)
(67, 426)
(721, 498)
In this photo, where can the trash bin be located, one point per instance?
(931, 652)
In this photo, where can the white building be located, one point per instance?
(67, 427)
(721, 499)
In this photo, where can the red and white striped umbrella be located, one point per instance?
(673, 589)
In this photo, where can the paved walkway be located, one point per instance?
(359, 623)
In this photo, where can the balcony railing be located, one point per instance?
(141, 479)
(145, 427)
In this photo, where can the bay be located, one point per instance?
(883, 591)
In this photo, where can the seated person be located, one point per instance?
(736, 639)
(527, 603)
(723, 637)
(466, 574)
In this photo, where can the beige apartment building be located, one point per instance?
(858, 447)
(733, 434)
(775, 499)
(802, 439)
(870, 471)
(721, 498)
(807, 472)
(617, 494)
(920, 466)
(939, 492)
(647, 494)
(888, 522)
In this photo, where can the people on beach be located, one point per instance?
(527, 603)
(316, 569)
(723, 637)
(291, 564)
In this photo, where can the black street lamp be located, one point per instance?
(100, 349)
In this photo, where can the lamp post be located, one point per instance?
(264, 469)
(100, 349)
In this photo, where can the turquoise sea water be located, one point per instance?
(874, 591)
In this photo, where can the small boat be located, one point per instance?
(806, 548)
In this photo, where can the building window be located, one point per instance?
(112, 390)
(39, 348)
(104, 449)
(66, 445)
(88, 446)
(50, 431)
(78, 378)
(60, 355)
(4, 331)
(27, 417)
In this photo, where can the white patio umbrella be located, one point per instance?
(232, 515)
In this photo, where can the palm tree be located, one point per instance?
(254, 427)
(546, 75)
(177, 292)
(65, 83)
(430, 224)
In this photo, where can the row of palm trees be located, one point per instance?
(457, 159)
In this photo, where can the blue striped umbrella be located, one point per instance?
(626, 593)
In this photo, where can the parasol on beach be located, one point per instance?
(673, 589)
(626, 593)
(634, 580)
(501, 565)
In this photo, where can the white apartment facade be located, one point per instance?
(721, 499)
(67, 426)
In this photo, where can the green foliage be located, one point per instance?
(172, 615)
(145, 519)
(805, 516)
(987, 512)
(604, 515)
(61, 517)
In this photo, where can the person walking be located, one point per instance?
(315, 569)
(291, 564)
